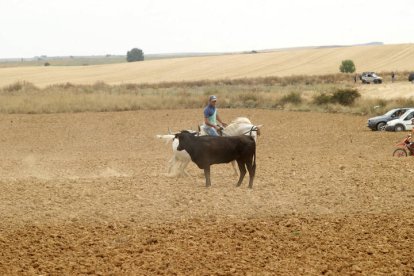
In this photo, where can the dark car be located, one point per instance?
(379, 122)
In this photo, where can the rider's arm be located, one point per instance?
(220, 121)
(207, 122)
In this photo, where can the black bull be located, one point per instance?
(208, 150)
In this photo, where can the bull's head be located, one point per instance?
(182, 137)
(177, 136)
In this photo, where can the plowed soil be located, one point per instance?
(87, 193)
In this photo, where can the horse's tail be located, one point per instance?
(167, 137)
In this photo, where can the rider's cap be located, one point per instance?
(213, 98)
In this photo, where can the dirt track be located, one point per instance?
(85, 194)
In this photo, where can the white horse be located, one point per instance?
(181, 158)
(240, 126)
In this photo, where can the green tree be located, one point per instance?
(347, 66)
(135, 55)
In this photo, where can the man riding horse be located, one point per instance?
(211, 117)
(240, 126)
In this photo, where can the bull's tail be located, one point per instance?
(252, 169)
(254, 159)
(167, 137)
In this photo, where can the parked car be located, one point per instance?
(379, 122)
(404, 122)
(370, 77)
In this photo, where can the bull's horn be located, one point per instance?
(169, 130)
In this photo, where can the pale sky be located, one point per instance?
(97, 27)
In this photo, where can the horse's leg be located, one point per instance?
(233, 164)
(171, 164)
(172, 167)
(184, 165)
(242, 169)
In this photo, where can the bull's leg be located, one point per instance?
(242, 169)
(207, 175)
(252, 171)
(233, 164)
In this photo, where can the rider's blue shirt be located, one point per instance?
(210, 112)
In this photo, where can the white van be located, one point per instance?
(405, 122)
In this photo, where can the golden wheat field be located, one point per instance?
(86, 193)
(312, 61)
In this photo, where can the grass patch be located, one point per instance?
(293, 93)
(293, 98)
(343, 96)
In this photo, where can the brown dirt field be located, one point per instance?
(86, 194)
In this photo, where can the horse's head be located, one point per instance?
(258, 129)
(254, 131)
